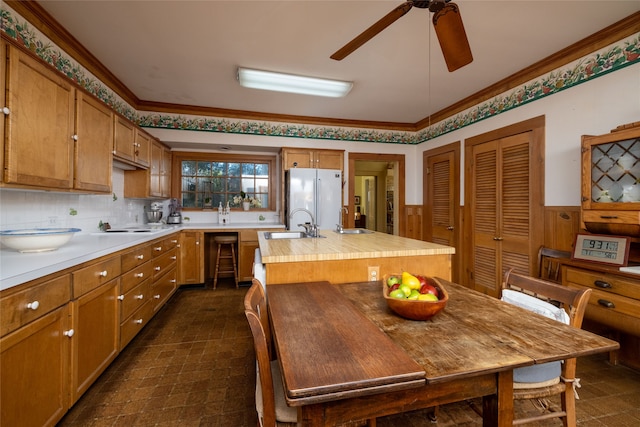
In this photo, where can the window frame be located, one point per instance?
(180, 156)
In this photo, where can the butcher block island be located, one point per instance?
(340, 258)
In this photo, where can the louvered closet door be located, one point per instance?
(501, 205)
(439, 201)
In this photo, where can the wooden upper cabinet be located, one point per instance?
(308, 158)
(610, 186)
(165, 172)
(142, 151)
(154, 182)
(155, 188)
(124, 138)
(94, 140)
(5, 109)
(39, 133)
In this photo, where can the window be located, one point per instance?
(208, 180)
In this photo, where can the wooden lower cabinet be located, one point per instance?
(248, 245)
(34, 367)
(191, 258)
(59, 333)
(96, 338)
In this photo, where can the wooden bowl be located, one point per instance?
(412, 309)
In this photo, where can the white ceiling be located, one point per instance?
(187, 52)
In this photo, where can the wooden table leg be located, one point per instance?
(497, 410)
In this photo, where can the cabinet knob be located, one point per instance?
(157, 296)
(157, 248)
(33, 305)
(606, 303)
(450, 228)
(157, 268)
(174, 241)
(602, 284)
(140, 275)
(172, 281)
(69, 333)
(6, 111)
(497, 239)
(138, 321)
(103, 273)
(140, 257)
(121, 297)
(139, 296)
(74, 137)
(174, 257)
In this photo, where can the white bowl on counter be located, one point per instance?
(37, 239)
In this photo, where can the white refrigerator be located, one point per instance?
(317, 190)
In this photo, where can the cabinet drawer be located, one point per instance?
(135, 258)
(134, 299)
(89, 278)
(164, 263)
(136, 276)
(163, 288)
(163, 246)
(134, 323)
(22, 307)
(603, 282)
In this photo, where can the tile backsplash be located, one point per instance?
(29, 209)
(32, 209)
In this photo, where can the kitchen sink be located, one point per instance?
(354, 231)
(273, 235)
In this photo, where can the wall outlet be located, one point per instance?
(374, 273)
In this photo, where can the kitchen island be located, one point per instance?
(339, 257)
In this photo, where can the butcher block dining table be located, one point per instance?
(345, 356)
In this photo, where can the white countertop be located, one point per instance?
(17, 268)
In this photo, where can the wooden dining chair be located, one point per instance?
(548, 265)
(573, 302)
(270, 400)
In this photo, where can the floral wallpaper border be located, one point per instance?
(619, 55)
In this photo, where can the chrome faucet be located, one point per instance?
(339, 226)
(311, 230)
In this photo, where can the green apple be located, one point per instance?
(405, 289)
(413, 295)
(397, 294)
(392, 280)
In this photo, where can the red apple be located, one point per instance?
(394, 287)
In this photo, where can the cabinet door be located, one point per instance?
(190, 260)
(3, 102)
(165, 173)
(297, 158)
(93, 145)
(155, 186)
(142, 150)
(124, 138)
(95, 344)
(34, 360)
(39, 143)
(329, 159)
(245, 260)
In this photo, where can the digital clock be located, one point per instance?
(603, 249)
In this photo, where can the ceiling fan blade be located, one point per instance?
(370, 32)
(452, 37)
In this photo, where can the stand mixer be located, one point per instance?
(175, 217)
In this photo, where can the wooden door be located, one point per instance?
(441, 196)
(504, 205)
(96, 341)
(93, 145)
(34, 360)
(39, 144)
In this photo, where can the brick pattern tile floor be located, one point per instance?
(193, 365)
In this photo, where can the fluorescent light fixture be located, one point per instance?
(267, 80)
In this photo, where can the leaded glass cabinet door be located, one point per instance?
(611, 182)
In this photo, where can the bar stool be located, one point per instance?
(222, 240)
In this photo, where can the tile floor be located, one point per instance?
(193, 365)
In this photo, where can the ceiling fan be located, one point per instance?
(447, 23)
